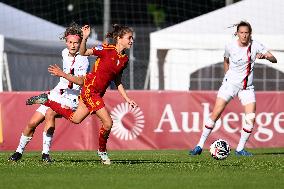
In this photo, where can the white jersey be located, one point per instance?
(65, 92)
(242, 60)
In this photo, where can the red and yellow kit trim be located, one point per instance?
(108, 66)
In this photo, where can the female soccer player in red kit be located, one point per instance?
(110, 63)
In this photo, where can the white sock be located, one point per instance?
(46, 142)
(24, 140)
(244, 138)
(206, 132)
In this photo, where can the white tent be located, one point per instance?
(28, 44)
(179, 50)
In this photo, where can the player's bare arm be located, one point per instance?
(268, 56)
(123, 93)
(55, 70)
(86, 33)
(226, 64)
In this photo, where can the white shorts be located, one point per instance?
(228, 91)
(69, 98)
(42, 109)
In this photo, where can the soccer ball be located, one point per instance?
(220, 149)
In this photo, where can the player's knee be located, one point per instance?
(50, 114)
(32, 125)
(76, 120)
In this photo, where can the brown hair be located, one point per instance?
(118, 31)
(73, 29)
(244, 23)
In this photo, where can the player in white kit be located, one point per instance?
(65, 93)
(239, 60)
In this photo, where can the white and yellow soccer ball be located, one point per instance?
(220, 149)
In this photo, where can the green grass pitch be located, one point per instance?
(144, 169)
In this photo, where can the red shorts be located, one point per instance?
(91, 99)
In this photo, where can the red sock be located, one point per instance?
(104, 134)
(67, 113)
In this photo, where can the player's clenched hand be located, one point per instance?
(260, 56)
(86, 31)
(55, 70)
(132, 103)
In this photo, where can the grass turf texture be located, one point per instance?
(144, 169)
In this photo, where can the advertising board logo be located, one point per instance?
(128, 122)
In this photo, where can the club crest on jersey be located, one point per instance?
(99, 47)
(117, 62)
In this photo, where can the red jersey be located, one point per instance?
(108, 66)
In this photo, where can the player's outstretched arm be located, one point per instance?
(55, 70)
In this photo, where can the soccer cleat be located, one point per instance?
(243, 153)
(15, 157)
(196, 151)
(104, 157)
(40, 99)
(46, 158)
